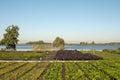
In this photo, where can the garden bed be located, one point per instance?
(74, 55)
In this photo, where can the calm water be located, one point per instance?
(29, 47)
(22, 48)
(91, 47)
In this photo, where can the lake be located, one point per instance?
(22, 47)
(74, 47)
(89, 47)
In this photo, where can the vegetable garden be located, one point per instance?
(93, 70)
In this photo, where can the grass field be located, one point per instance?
(21, 55)
(105, 55)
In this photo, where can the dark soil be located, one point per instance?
(74, 55)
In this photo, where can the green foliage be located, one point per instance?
(108, 50)
(54, 72)
(36, 42)
(111, 67)
(93, 70)
(73, 72)
(112, 51)
(11, 37)
(86, 43)
(14, 75)
(83, 43)
(21, 55)
(118, 49)
(9, 68)
(105, 55)
(93, 43)
(34, 73)
(59, 42)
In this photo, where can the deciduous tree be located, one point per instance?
(10, 38)
(59, 42)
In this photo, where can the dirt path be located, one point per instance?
(51, 61)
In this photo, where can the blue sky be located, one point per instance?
(73, 20)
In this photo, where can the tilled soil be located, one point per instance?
(74, 55)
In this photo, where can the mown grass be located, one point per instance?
(105, 55)
(21, 55)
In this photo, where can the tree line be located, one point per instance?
(10, 39)
(86, 43)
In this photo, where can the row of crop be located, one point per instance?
(111, 63)
(54, 72)
(18, 72)
(111, 68)
(92, 72)
(5, 64)
(101, 70)
(10, 68)
(35, 72)
(73, 72)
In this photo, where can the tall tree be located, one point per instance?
(10, 38)
(59, 42)
(93, 43)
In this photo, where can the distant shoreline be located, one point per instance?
(93, 45)
(77, 44)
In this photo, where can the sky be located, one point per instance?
(73, 20)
